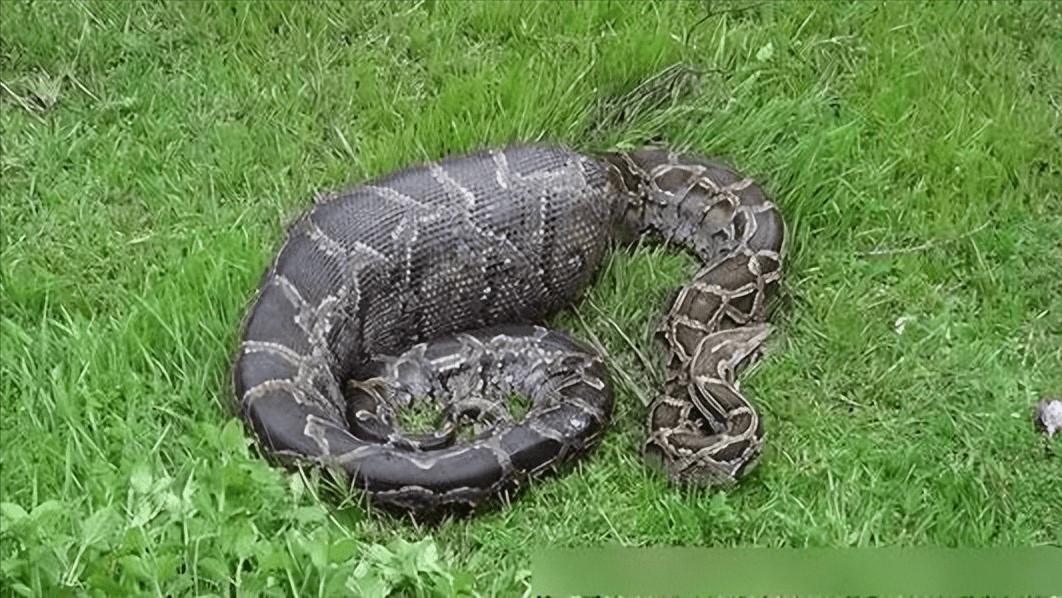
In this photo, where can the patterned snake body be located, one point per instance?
(425, 285)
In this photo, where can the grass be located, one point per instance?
(154, 152)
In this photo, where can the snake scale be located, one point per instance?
(427, 286)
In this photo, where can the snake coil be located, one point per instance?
(426, 285)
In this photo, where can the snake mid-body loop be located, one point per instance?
(426, 285)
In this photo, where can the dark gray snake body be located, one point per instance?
(425, 285)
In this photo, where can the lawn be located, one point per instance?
(152, 154)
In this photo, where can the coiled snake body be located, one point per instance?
(426, 285)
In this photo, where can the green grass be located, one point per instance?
(153, 153)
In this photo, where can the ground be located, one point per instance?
(154, 152)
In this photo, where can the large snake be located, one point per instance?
(427, 285)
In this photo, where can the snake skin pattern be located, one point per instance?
(424, 287)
